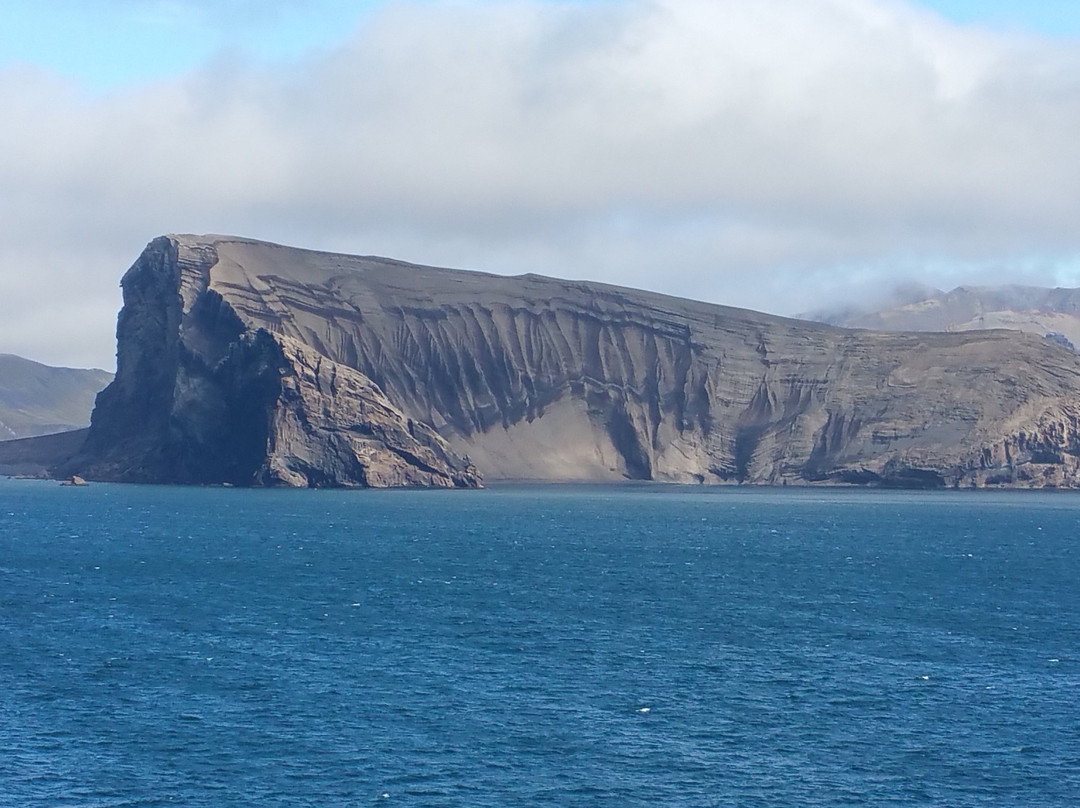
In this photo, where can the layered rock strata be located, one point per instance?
(206, 393)
(255, 364)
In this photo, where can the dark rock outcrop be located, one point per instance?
(250, 363)
(205, 393)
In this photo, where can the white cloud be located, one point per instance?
(766, 154)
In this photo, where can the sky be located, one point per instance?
(782, 155)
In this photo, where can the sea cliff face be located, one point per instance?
(201, 396)
(254, 364)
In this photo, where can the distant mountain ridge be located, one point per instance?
(37, 399)
(1031, 309)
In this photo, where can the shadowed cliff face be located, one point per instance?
(251, 363)
(201, 396)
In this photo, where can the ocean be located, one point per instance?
(538, 646)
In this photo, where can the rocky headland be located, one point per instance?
(250, 363)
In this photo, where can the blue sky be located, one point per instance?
(1052, 17)
(782, 155)
(104, 44)
(110, 43)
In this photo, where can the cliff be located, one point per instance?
(251, 363)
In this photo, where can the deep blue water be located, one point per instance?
(534, 646)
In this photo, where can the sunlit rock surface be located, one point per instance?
(255, 364)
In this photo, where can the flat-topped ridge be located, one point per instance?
(257, 363)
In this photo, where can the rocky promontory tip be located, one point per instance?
(249, 363)
(205, 393)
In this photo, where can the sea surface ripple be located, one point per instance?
(537, 646)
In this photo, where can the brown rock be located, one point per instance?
(251, 363)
